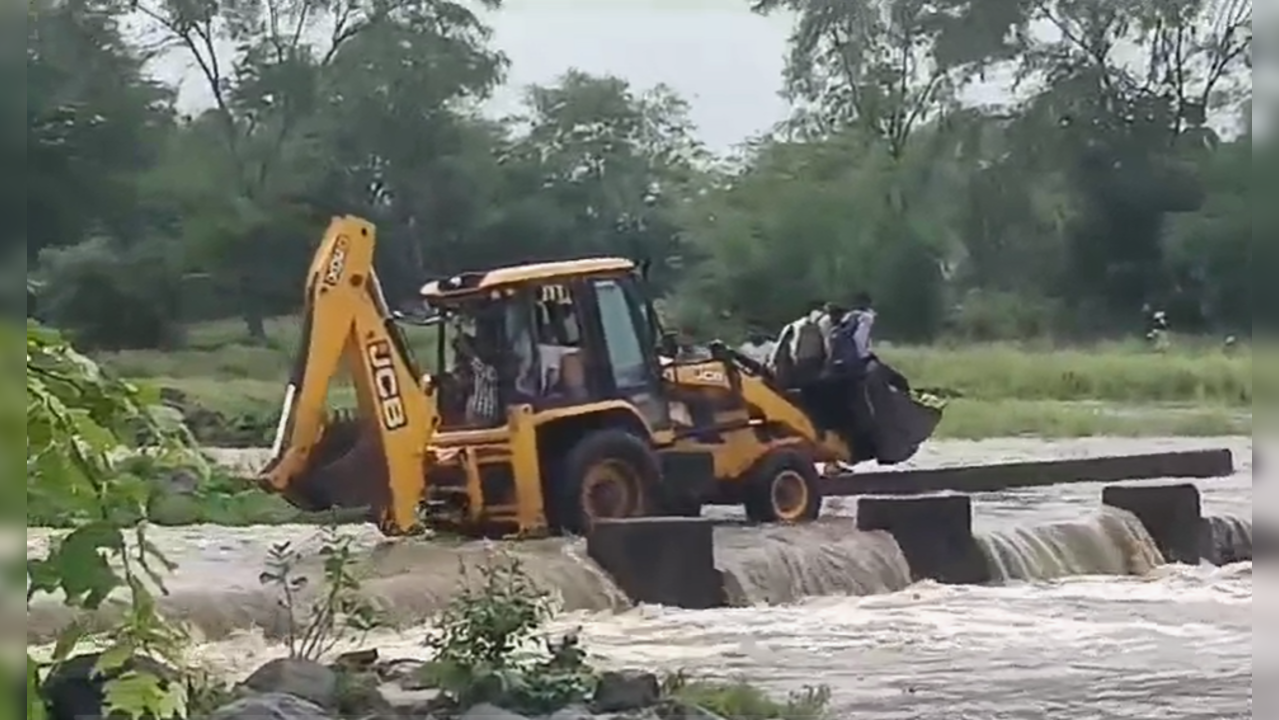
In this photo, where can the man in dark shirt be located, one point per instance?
(851, 336)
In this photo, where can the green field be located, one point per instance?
(996, 390)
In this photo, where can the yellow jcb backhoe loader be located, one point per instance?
(557, 401)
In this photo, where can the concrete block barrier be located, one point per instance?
(1171, 514)
(1225, 540)
(1040, 473)
(934, 533)
(660, 560)
(1264, 540)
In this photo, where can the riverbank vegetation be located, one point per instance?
(488, 647)
(77, 419)
(1011, 248)
(1095, 186)
(231, 386)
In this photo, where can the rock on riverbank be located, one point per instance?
(361, 687)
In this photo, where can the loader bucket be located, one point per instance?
(347, 470)
(904, 420)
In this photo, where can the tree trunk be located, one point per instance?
(255, 324)
(251, 310)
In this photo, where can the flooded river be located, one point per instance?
(1087, 623)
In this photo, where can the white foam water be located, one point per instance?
(1175, 643)
(1110, 542)
(1085, 620)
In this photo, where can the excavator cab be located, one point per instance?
(552, 403)
(556, 337)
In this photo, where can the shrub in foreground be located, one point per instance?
(740, 699)
(488, 647)
(77, 420)
(491, 647)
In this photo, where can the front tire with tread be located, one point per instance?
(628, 454)
(762, 488)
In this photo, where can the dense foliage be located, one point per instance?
(492, 645)
(77, 423)
(1100, 188)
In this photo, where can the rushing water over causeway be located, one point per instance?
(1086, 623)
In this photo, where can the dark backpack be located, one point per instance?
(843, 345)
(810, 346)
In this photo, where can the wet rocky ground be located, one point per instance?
(362, 686)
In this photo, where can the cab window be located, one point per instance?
(559, 344)
(626, 355)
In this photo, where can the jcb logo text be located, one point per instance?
(386, 385)
(337, 262)
(708, 375)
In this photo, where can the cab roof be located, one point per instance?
(471, 282)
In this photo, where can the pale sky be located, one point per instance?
(726, 61)
(1266, 76)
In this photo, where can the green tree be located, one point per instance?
(13, 141)
(893, 71)
(92, 118)
(296, 68)
(77, 422)
(1210, 251)
(109, 296)
(794, 226)
(1119, 133)
(1101, 186)
(611, 161)
(94, 123)
(809, 220)
(888, 66)
(407, 146)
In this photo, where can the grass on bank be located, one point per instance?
(1190, 372)
(232, 501)
(998, 389)
(965, 418)
(1115, 373)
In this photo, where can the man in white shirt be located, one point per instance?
(758, 347)
(863, 318)
(830, 317)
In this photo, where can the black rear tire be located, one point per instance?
(606, 474)
(784, 487)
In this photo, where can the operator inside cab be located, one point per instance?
(548, 343)
(559, 350)
(475, 373)
(510, 348)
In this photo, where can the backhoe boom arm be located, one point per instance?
(347, 323)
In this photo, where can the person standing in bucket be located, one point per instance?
(809, 345)
(853, 338)
(758, 347)
(862, 318)
(852, 358)
(801, 350)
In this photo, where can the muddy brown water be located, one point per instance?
(1087, 623)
